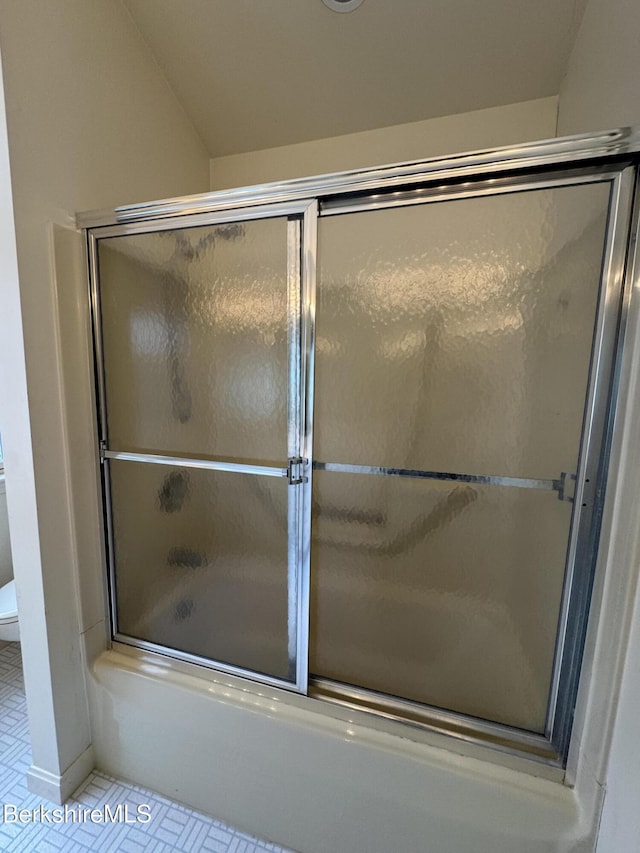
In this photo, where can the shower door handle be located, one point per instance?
(295, 470)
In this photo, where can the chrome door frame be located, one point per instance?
(301, 220)
(583, 149)
(575, 159)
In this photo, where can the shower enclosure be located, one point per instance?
(354, 430)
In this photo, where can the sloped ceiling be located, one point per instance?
(255, 74)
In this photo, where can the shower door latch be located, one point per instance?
(295, 470)
(566, 486)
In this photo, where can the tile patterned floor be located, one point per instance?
(171, 827)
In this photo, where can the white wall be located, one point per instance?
(91, 123)
(601, 91)
(522, 122)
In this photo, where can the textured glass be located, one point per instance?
(452, 337)
(195, 341)
(442, 593)
(456, 336)
(201, 562)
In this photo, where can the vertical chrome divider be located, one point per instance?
(294, 419)
(592, 466)
(308, 316)
(96, 327)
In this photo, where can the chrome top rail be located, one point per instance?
(619, 142)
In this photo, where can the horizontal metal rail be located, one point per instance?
(558, 485)
(482, 479)
(209, 464)
(470, 729)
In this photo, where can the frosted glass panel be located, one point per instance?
(451, 337)
(456, 336)
(195, 341)
(201, 562)
(441, 593)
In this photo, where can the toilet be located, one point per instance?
(9, 630)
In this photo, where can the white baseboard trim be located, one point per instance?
(57, 789)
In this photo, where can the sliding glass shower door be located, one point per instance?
(201, 382)
(451, 347)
